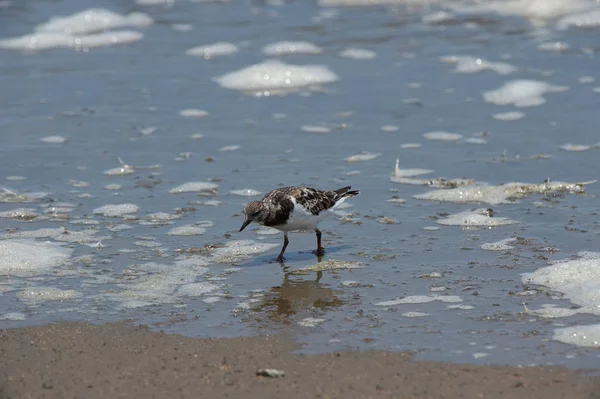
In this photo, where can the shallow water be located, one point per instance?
(461, 302)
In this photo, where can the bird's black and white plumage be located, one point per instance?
(295, 208)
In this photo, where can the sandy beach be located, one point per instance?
(74, 360)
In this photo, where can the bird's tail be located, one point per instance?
(345, 192)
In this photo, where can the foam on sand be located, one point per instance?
(24, 258)
(503, 194)
(521, 93)
(468, 64)
(218, 49)
(276, 76)
(288, 47)
(475, 218)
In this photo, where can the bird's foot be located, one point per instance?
(280, 259)
(319, 251)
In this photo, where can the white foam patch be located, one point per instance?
(553, 46)
(509, 116)
(389, 128)
(53, 139)
(264, 230)
(588, 19)
(310, 322)
(117, 210)
(578, 280)
(276, 76)
(521, 93)
(113, 186)
(19, 213)
(460, 307)
(329, 264)
(197, 289)
(501, 245)
(288, 47)
(239, 250)
(24, 258)
(195, 187)
(59, 234)
(189, 230)
(585, 336)
(475, 140)
(245, 192)
(416, 299)
(48, 40)
(577, 147)
(503, 194)
(315, 129)
(93, 20)
(476, 218)
(358, 54)
(218, 49)
(363, 157)
(415, 314)
(409, 172)
(193, 113)
(15, 178)
(153, 283)
(468, 64)
(15, 316)
(411, 145)
(45, 294)
(538, 12)
(230, 148)
(442, 136)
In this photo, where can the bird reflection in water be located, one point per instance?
(298, 298)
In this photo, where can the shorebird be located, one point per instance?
(295, 208)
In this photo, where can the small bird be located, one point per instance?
(295, 208)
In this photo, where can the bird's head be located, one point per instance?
(253, 213)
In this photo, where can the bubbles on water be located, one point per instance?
(475, 218)
(361, 54)
(53, 139)
(31, 258)
(585, 335)
(193, 113)
(417, 299)
(363, 157)
(578, 147)
(288, 47)
(117, 210)
(245, 192)
(442, 136)
(315, 129)
(195, 187)
(509, 116)
(502, 245)
(44, 294)
(468, 64)
(276, 76)
(553, 46)
(218, 49)
(188, 230)
(521, 93)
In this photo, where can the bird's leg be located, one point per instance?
(285, 244)
(320, 250)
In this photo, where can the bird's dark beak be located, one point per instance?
(246, 223)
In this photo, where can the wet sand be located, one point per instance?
(120, 361)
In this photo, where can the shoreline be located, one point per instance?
(75, 360)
